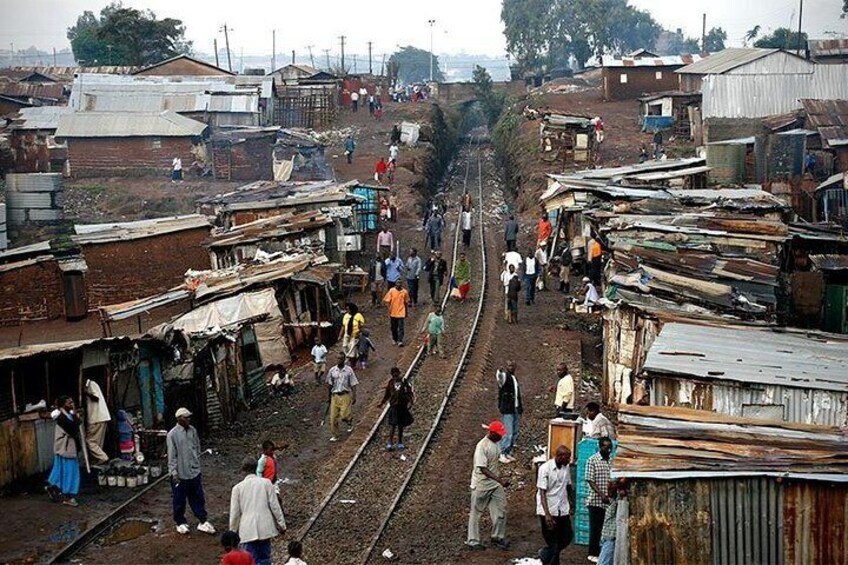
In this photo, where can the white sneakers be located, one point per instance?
(205, 527)
(334, 438)
(506, 459)
(593, 559)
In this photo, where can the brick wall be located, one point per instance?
(640, 80)
(248, 161)
(127, 156)
(126, 270)
(32, 292)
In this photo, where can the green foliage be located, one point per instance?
(844, 9)
(544, 34)
(752, 33)
(491, 101)
(782, 38)
(413, 65)
(126, 36)
(714, 41)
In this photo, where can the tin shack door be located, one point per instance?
(76, 301)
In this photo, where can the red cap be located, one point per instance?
(497, 427)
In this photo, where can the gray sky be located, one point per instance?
(471, 26)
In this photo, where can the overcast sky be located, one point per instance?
(471, 26)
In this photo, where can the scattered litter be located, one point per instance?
(347, 502)
(388, 554)
(403, 457)
(526, 561)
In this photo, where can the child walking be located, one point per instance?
(365, 346)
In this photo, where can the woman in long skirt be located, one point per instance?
(400, 396)
(64, 480)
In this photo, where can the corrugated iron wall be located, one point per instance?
(821, 407)
(747, 522)
(815, 523)
(738, 521)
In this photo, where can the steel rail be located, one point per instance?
(410, 372)
(460, 369)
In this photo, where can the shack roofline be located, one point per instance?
(679, 443)
(729, 59)
(186, 57)
(26, 351)
(96, 125)
(89, 234)
(764, 356)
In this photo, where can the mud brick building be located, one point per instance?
(102, 264)
(128, 144)
(631, 77)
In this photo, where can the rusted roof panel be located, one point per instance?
(30, 90)
(669, 61)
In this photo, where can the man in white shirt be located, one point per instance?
(177, 170)
(530, 272)
(590, 293)
(467, 223)
(354, 101)
(97, 419)
(564, 400)
(598, 425)
(319, 360)
(393, 152)
(553, 494)
(506, 275)
(487, 489)
(512, 258)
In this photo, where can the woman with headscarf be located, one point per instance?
(352, 324)
(64, 480)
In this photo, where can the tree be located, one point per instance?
(413, 65)
(546, 34)
(491, 101)
(714, 40)
(844, 9)
(752, 33)
(126, 36)
(781, 38)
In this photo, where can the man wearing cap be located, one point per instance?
(255, 513)
(487, 489)
(590, 293)
(184, 469)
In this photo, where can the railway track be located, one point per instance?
(435, 380)
(349, 521)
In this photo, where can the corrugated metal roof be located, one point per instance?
(830, 262)
(830, 117)
(58, 347)
(673, 443)
(122, 231)
(39, 117)
(31, 90)
(758, 96)
(104, 124)
(726, 60)
(182, 57)
(751, 355)
(647, 61)
(827, 47)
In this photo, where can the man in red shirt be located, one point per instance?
(545, 228)
(380, 169)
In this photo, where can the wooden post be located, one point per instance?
(47, 377)
(317, 312)
(14, 397)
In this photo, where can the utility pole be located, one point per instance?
(11, 54)
(215, 46)
(383, 66)
(227, 43)
(273, 50)
(344, 70)
(355, 71)
(431, 22)
(54, 56)
(370, 67)
(704, 34)
(292, 56)
(800, 15)
(311, 58)
(327, 54)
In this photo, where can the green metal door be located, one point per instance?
(836, 309)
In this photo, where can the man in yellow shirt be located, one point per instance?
(397, 298)
(564, 400)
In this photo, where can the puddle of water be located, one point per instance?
(129, 529)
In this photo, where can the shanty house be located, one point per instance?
(675, 111)
(566, 139)
(707, 488)
(631, 77)
(183, 65)
(33, 140)
(129, 144)
(128, 371)
(287, 233)
(785, 375)
(740, 61)
(33, 94)
(243, 154)
(828, 51)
